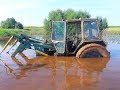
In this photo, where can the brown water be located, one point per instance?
(28, 72)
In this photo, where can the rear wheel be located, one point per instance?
(92, 50)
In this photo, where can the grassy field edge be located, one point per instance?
(29, 30)
(32, 30)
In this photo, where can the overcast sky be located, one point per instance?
(33, 12)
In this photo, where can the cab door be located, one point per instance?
(59, 35)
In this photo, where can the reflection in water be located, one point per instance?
(59, 73)
(62, 73)
(111, 37)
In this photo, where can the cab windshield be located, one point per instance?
(90, 30)
(58, 31)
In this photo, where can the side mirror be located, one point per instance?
(100, 20)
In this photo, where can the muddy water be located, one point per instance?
(28, 72)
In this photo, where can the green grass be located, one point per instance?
(35, 30)
(30, 30)
(113, 30)
(114, 27)
(27, 30)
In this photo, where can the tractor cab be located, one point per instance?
(68, 36)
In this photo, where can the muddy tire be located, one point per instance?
(92, 50)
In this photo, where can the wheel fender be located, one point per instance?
(92, 47)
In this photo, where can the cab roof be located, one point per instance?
(81, 19)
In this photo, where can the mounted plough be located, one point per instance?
(27, 42)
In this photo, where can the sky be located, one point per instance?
(33, 12)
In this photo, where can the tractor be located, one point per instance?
(77, 37)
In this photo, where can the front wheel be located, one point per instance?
(92, 50)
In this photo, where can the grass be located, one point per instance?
(29, 30)
(113, 30)
(114, 27)
(35, 30)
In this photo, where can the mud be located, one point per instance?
(28, 72)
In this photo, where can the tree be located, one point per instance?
(59, 15)
(103, 24)
(56, 15)
(10, 23)
(18, 25)
(47, 26)
(82, 14)
(70, 14)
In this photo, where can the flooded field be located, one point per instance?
(28, 72)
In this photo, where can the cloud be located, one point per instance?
(32, 12)
(4, 9)
(7, 9)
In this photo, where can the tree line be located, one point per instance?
(58, 15)
(11, 23)
(55, 15)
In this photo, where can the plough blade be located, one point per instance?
(14, 43)
(7, 44)
(41, 53)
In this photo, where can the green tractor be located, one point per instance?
(77, 37)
